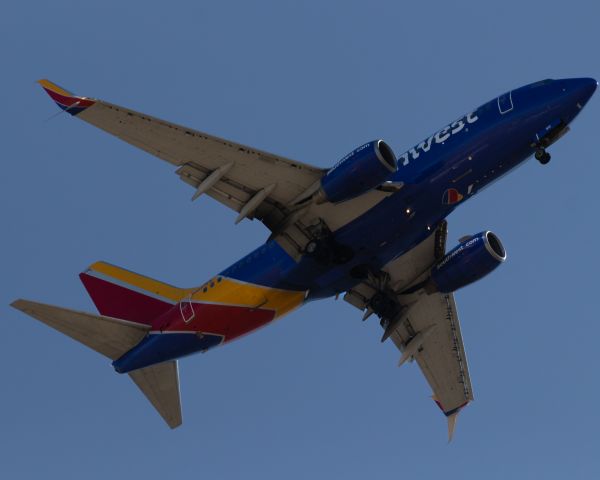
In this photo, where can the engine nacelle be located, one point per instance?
(470, 261)
(358, 172)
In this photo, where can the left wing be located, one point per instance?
(254, 183)
(423, 326)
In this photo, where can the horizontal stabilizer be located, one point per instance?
(109, 336)
(160, 384)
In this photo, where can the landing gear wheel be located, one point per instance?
(542, 156)
(311, 247)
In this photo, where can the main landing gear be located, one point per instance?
(542, 156)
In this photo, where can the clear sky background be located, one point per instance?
(314, 395)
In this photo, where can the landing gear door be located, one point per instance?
(186, 309)
(551, 133)
(505, 103)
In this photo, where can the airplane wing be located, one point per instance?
(254, 183)
(440, 352)
(427, 328)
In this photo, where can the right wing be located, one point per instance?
(254, 183)
(440, 352)
(423, 326)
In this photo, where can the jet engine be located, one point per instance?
(358, 172)
(470, 261)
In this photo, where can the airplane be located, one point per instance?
(372, 228)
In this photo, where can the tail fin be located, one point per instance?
(119, 293)
(112, 338)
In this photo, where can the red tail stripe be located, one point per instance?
(117, 301)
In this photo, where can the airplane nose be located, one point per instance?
(583, 88)
(587, 88)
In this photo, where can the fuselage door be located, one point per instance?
(505, 103)
(187, 309)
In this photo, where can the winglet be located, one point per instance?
(452, 425)
(451, 415)
(64, 99)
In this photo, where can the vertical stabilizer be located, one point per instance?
(120, 293)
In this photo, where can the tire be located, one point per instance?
(311, 247)
(545, 159)
(539, 154)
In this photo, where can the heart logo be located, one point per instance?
(451, 196)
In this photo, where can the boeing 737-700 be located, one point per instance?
(371, 228)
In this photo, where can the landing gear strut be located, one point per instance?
(542, 156)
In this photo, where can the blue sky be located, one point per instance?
(314, 395)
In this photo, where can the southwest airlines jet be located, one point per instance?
(371, 228)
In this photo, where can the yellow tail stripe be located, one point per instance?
(220, 290)
(232, 292)
(140, 281)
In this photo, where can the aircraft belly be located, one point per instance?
(436, 183)
(403, 220)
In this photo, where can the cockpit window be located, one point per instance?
(505, 103)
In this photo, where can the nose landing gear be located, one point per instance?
(542, 156)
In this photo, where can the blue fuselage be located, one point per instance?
(438, 174)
